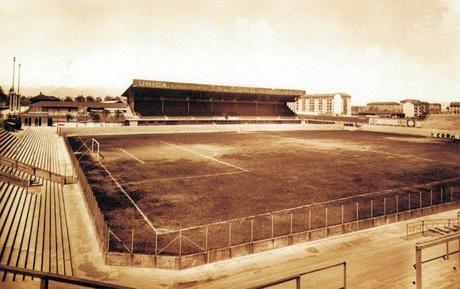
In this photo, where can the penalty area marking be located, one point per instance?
(399, 155)
(205, 156)
(132, 201)
(133, 156)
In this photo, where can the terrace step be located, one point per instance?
(33, 222)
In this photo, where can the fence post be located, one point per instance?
(442, 196)
(431, 197)
(357, 214)
(410, 207)
(252, 229)
(108, 238)
(290, 231)
(418, 268)
(372, 209)
(297, 282)
(44, 283)
(451, 195)
(180, 242)
(132, 240)
(459, 253)
(384, 206)
(156, 243)
(206, 238)
(327, 221)
(230, 233)
(342, 220)
(309, 219)
(420, 200)
(272, 233)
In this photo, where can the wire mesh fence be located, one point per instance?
(360, 210)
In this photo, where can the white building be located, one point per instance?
(408, 109)
(322, 104)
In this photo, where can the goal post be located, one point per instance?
(95, 146)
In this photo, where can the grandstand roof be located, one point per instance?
(78, 104)
(153, 84)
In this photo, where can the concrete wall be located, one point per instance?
(216, 255)
(397, 130)
(195, 128)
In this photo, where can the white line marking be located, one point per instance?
(205, 156)
(399, 155)
(133, 156)
(183, 178)
(132, 201)
(295, 142)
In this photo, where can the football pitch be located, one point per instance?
(183, 180)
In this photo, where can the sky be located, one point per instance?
(373, 50)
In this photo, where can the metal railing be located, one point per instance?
(298, 277)
(419, 247)
(423, 226)
(45, 277)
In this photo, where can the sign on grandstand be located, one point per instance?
(214, 88)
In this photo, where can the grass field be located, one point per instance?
(181, 180)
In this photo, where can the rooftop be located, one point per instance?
(70, 104)
(320, 95)
(383, 103)
(154, 84)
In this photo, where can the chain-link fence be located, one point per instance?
(284, 226)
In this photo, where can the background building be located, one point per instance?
(322, 104)
(434, 107)
(454, 107)
(415, 108)
(384, 107)
(44, 113)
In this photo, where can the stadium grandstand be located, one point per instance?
(33, 220)
(170, 102)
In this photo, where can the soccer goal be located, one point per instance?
(95, 148)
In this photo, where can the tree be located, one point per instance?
(24, 101)
(89, 98)
(105, 114)
(80, 98)
(98, 99)
(119, 116)
(68, 98)
(18, 123)
(95, 116)
(3, 96)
